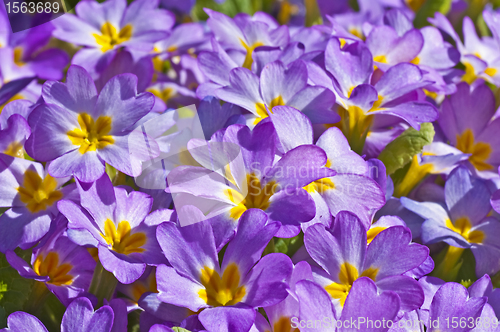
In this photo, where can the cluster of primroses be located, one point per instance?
(334, 161)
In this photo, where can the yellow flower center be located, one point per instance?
(137, 290)
(165, 95)
(320, 186)
(16, 97)
(38, 194)
(380, 58)
(122, 240)
(248, 57)
(431, 94)
(257, 196)
(490, 71)
(158, 64)
(287, 10)
(372, 232)
(262, 111)
(415, 4)
(140, 287)
(357, 32)
(480, 151)
(172, 48)
(185, 158)
(94, 252)
(284, 324)
(18, 56)
(221, 291)
(463, 227)
(109, 37)
(377, 103)
(91, 135)
(15, 149)
(347, 275)
(469, 75)
(49, 266)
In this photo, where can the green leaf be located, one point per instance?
(265, 5)
(111, 171)
(399, 152)
(221, 253)
(495, 280)
(16, 295)
(179, 329)
(103, 284)
(467, 272)
(281, 245)
(354, 5)
(428, 9)
(133, 321)
(228, 7)
(3, 289)
(289, 246)
(14, 289)
(3, 318)
(482, 27)
(69, 5)
(313, 14)
(51, 313)
(463, 270)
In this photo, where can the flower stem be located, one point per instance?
(415, 174)
(447, 270)
(37, 297)
(103, 284)
(355, 126)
